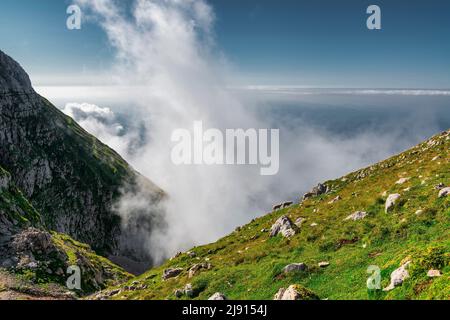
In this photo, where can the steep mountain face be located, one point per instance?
(379, 233)
(34, 261)
(69, 176)
(16, 213)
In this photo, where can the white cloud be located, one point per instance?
(103, 124)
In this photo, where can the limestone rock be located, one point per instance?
(196, 268)
(402, 180)
(284, 226)
(444, 192)
(171, 273)
(316, 191)
(295, 267)
(323, 264)
(398, 276)
(295, 292)
(218, 296)
(358, 215)
(299, 222)
(434, 273)
(391, 201)
(338, 198)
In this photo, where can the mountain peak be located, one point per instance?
(13, 77)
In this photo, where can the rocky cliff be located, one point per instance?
(68, 175)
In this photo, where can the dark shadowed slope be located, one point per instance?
(68, 175)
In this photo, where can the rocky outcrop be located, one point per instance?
(171, 273)
(402, 180)
(433, 273)
(284, 226)
(316, 191)
(398, 276)
(197, 268)
(295, 292)
(391, 201)
(295, 267)
(39, 253)
(358, 215)
(12, 77)
(68, 175)
(444, 192)
(218, 296)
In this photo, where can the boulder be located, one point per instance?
(316, 191)
(171, 273)
(444, 192)
(196, 268)
(299, 222)
(35, 241)
(295, 292)
(434, 273)
(358, 215)
(391, 201)
(218, 296)
(295, 267)
(398, 276)
(402, 180)
(338, 198)
(284, 226)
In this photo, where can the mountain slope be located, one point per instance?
(69, 176)
(249, 263)
(33, 261)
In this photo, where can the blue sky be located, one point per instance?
(273, 42)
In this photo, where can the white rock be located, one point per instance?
(444, 192)
(295, 267)
(391, 201)
(299, 222)
(398, 276)
(402, 180)
(323, 264)
(284, 226)
(358, 215)
(434, 273)
(335, 200)
(218, 296)
(292, 293)
(171, 273)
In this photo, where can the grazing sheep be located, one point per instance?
(287, 204)
(277, 207)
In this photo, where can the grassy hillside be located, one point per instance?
(248, 264)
